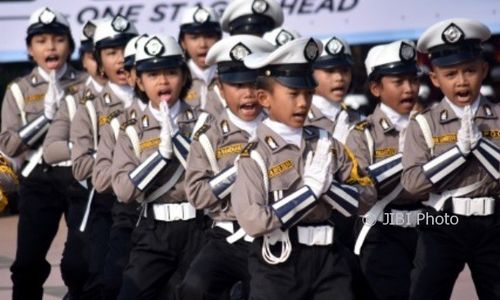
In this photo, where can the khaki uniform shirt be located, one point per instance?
(386, 144)
(125, 160)
(33, 88)
(213, 103)
(318, 119)
(444, 125)
(285, 165)
(56, 146)
(227, 141)
(82, 136)
(101, 174)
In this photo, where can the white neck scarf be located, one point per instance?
(124, 92)
(289, 134)
(248, 126)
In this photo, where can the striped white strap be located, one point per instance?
(166, 187)
(426, 130)
(222, 100)
(93, 119)
(134, 139)
(437, 200)
(115, 125)
(71, 104)
(371, 144)
(34, 159)
(18, 96)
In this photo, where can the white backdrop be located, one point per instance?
(359, 21)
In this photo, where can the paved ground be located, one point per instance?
(54, 288)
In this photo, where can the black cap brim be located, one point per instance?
(159, 63)
(398, 69)
(298, 82)
(54, 28)
(87, 46)
(118, 41)
(251, 24)
(207, 28)
(328, 62)
(454, 59)
(239, 77)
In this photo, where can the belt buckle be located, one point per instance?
(175, 212)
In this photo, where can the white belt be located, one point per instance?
(170, 212)
(400, 218)
(482, 206)
(315, 235)
(67, 163)
(235, 236)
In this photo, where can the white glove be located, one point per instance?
(464, 133)
(474, 133)
(165, 148)
(318, 168)
(52, 97)
(342, 127)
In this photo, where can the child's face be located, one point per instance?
(241, 99)
(49, 51)
(112, 65)
(399, 92)
(197, 46)
(286, 105)
(460, 83)
(90, 65)
(162, 85)
(333, 84)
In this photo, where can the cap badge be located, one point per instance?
(120, 24)
(311, 51)
(154, 47)
(406, 52)
(201, 15)
(334, 47)
(89, 30)
(239, 52)
(259, 6)
(284, 37)
(452, 34)
(47, 16)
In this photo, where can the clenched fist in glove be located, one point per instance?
(318, 167)
(53, 96)
(166, 148)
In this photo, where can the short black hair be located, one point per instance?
(265, 83)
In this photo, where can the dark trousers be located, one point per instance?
(47, 194)
(98, 228)
(217, 267)
(387, 260)
(311, 272)
(443, 251)
(159, 249)
(125, 217)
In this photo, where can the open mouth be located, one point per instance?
(122, 74)
(407, 102)
(249, 108)
(52, 61)
(463, 95)
(300, 116)
(165, 95)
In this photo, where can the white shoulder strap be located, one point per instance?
(222, 100)
(262, 165)
(115, 125)
(202, 118)
(18, 96)
(426, 130)
(93, 118)
(134, 139)
(71, 104)
(371, 144)
(209, 152)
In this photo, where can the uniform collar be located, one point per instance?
(247, 126)
(283, 135)
(392, 119)
(459, 110)
(95, 85)
(59, 73)
(206, 75)
(326, 107)
(124, 92)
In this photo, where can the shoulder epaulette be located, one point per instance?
(114, 114)
(311, 132)
(128, 123)
(245, 152)
(87, 95)
(361, 126)
(201, 131)
(73, 89)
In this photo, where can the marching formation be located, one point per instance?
(231, 167)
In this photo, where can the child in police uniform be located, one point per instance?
(254, 17)
(94, 111)
(124, 215)
(387, 253)
(223, 260)
(199, 31)
(148, 167)
(452, 152)
(282, 177)
(29, 106)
